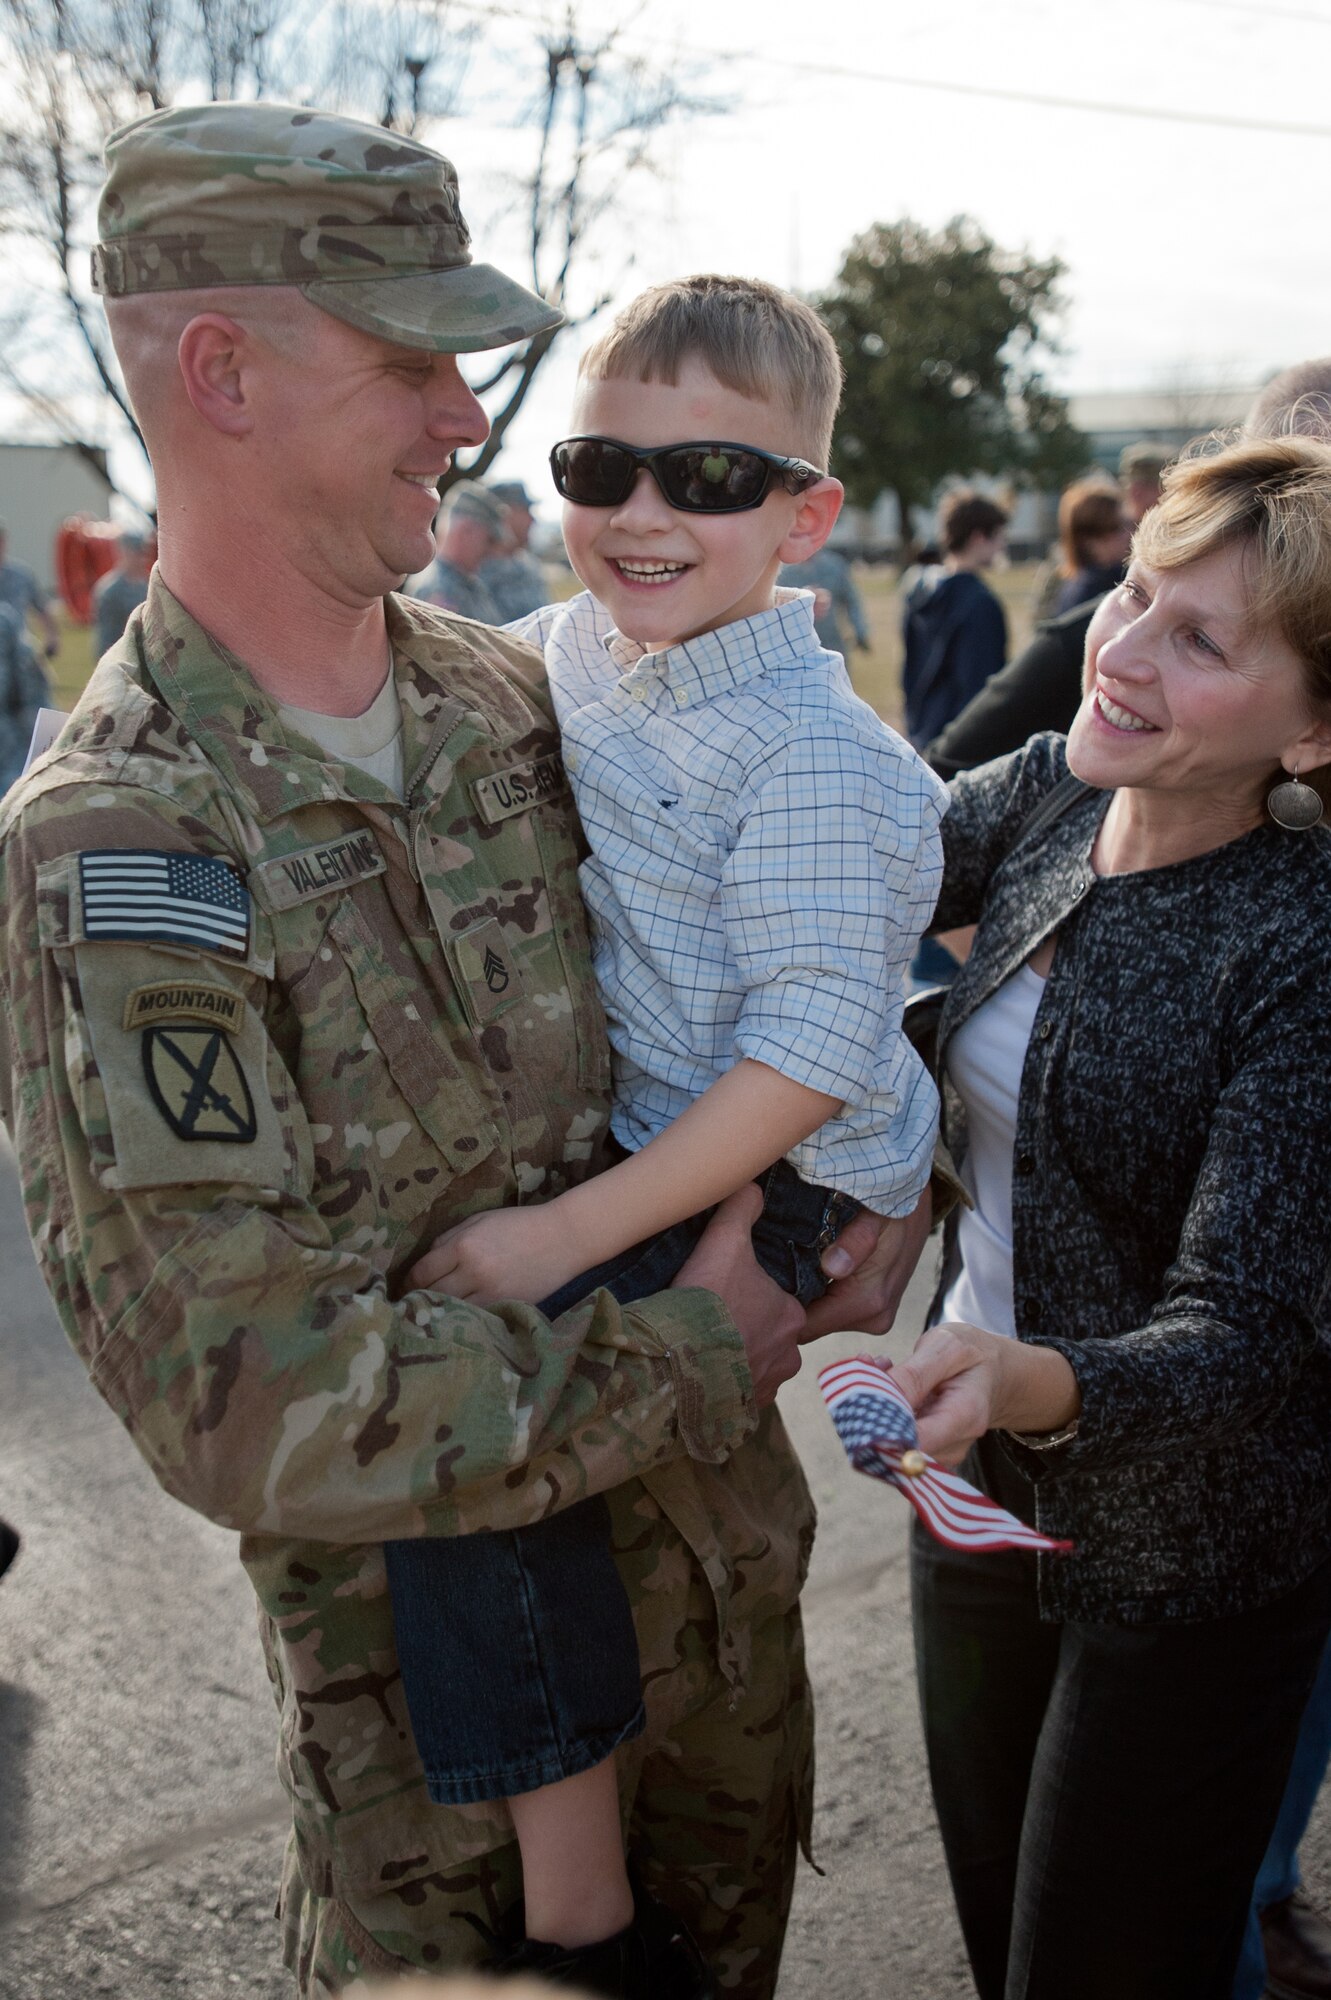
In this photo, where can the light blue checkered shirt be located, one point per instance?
(765, 854)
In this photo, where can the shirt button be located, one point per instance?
(638, 691)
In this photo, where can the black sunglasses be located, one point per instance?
(698, 478)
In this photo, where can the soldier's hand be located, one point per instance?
(770, 1322)
(871, 1263)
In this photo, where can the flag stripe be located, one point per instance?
(106, 908)
(876, 1425)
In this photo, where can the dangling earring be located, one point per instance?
(1294, 806)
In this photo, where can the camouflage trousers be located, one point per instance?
(717, 1798)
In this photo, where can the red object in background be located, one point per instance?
(84, 551)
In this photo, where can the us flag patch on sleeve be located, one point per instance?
(194, 900)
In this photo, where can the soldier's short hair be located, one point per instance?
(1144, 460)
(473, 502)
(1294, 403)
(964, 513)
(754, 338)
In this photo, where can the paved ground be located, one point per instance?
(140, 1825)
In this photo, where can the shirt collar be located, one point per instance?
(717, 662)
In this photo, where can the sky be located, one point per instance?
(1196, 252)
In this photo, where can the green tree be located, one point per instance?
(943, 336)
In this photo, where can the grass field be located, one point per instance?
(876, 674)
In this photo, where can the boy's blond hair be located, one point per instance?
(755, 339)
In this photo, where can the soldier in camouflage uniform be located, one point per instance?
(515, 580)
(471, 527)
(268, 1023)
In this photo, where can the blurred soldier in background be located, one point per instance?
(828, 575)
(23, 690)
(123, 587)
(1141, 467)
(514, 578)
(20, 590)
(470, 530)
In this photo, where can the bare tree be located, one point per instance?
(596, 115)
(81, 67)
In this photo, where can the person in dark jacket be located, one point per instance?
(1132, 1339)
(954, 629)
(1040, 689)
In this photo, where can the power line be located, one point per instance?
(1047, 102)
(1265, 13)
(994, 93)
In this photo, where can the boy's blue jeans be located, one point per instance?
(519, 1660)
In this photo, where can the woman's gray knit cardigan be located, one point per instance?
(1171, 1194)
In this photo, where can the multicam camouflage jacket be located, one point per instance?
(264, 1031)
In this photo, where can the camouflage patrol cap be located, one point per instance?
(364, 222)
(475, 502)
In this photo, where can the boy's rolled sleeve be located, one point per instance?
(824, 895)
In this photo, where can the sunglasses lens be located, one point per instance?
(592, 473)
(717, 479)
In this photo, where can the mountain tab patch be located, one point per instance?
(176, 1000)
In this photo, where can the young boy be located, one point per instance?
(764, 855)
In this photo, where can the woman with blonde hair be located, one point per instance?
(1132, 1345)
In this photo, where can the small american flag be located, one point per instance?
(187, 899)
(877, 1426)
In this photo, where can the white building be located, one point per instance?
(40, 485)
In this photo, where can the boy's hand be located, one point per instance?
(507, 1253)
(871, 1263)
(770, 1322)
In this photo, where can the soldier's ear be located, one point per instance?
(209, 357)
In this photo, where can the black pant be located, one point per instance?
(1105, 1792)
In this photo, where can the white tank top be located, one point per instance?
(984, 1064)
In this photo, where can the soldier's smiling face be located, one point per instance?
(357, 433)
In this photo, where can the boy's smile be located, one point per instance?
(665, 575)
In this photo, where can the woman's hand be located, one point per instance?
(961, 1382)
(507, 1253)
